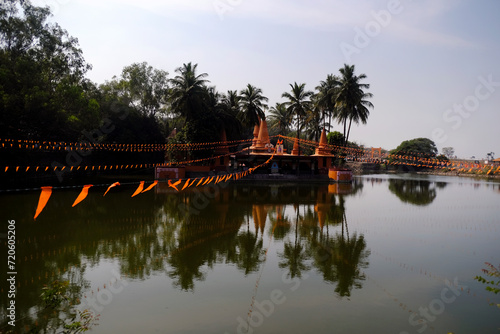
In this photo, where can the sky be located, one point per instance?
(432, 65)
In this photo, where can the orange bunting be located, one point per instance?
(83, 194)
(174, 185)
(111, 186)
(207, 180)
(186, 184)
(151, 186)
(42, 201)
(139, 189)
(199, 182)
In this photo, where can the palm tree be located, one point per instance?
(223, 111)
(231, 102)
(325, 99)
(188, 93)
(252, 105)
(280, 119)
(350, 99)
(313, 123)
(298, 103)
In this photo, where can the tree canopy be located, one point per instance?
(418, 146)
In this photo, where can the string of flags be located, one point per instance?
(46, 192)
(88, 146)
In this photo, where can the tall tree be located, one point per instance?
(146, 88)
(350, 99)
(298, 103)
(325, 99)
(252, 104)
(280, 119)
(188, 93)
(42, 86)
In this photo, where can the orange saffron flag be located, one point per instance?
(83, 194)
(174, 185)
(186, 184)
(207, 180)
(139, 189)
(199, 182)
(111, 186)
(192, 183)
(150, 186)
(44, 198)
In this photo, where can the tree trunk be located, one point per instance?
(348, 131)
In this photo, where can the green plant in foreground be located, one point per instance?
(56, 295)
(493, 285)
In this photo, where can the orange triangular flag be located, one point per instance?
(139, 189)
(192, 183)
(150, 186)
(207, 180)
(186, 184)
(217, 179)
(230, 176)
(199, 182)
(111, 186)
(83, 194)
(175, 184)
(44, 198)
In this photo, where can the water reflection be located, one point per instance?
(416, 192)
(182, 235)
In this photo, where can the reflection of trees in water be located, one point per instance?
(417, 192)
(339, 258)
(295, 254)
(177, 234)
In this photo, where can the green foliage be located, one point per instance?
(493, 284)
(335, 138)
(416, 147)
(442, 158)
(55, 296)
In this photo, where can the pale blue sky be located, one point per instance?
(423, 59)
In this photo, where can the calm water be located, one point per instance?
(387, 254)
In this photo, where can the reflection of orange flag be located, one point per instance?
(44, 198)
(139, 189)
(199, 182)
(186, 184)
(83, 194)
(207, 180)
(111, 186)
(150, 186)
(174, 185)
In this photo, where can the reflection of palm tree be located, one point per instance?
(250, 251)
(294, 254)
(280, 225)
(341, 257)
(417, 192)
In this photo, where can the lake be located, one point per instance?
(385, 254)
